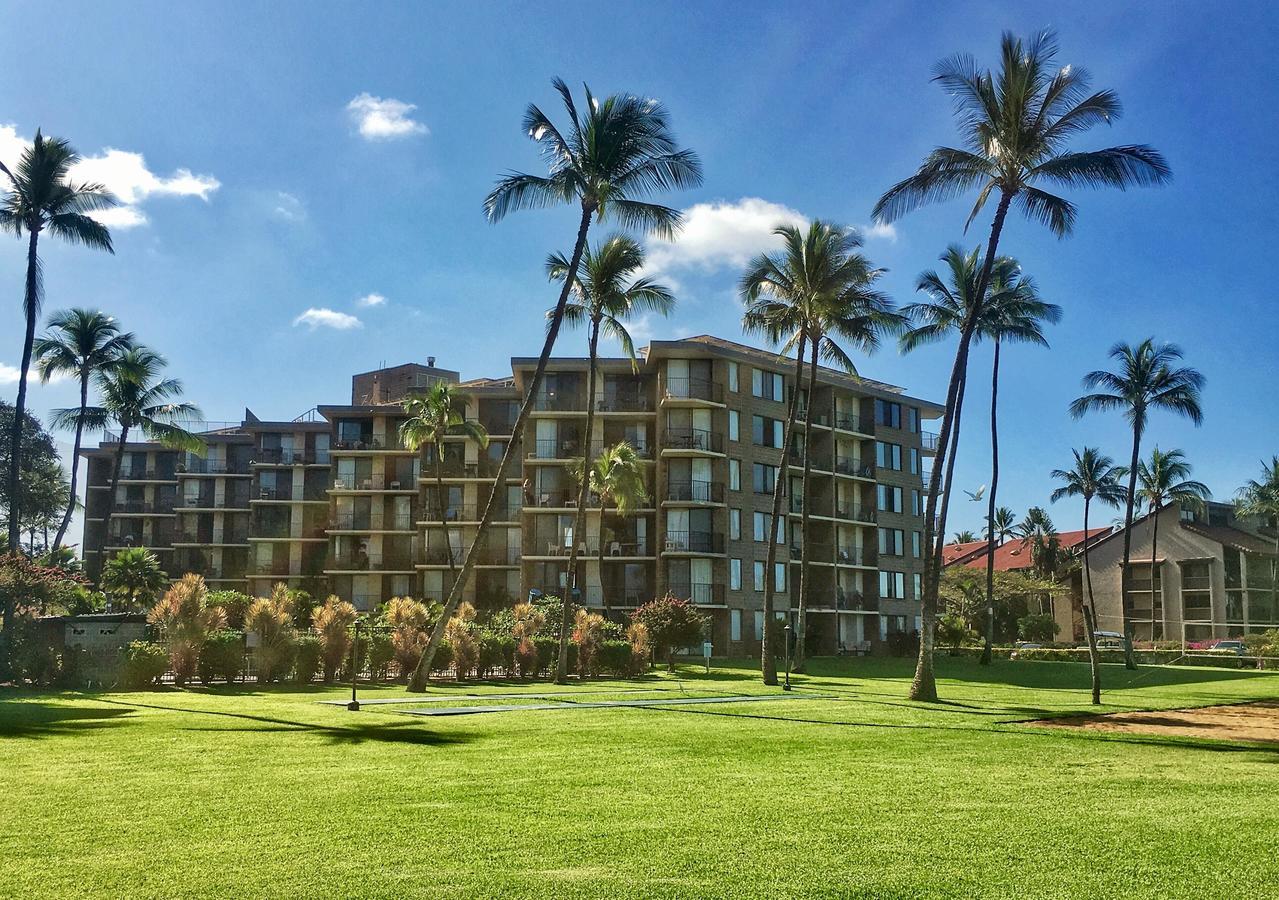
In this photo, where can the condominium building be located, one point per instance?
(333, 503)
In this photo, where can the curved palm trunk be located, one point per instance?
(608, 609)
(924, 685)
(939, 558)
(75, 461)
(440, 498)
(1090, 616)
(801, 629)
(1125, 579)
(30, 302)
(579, 521)
(767, 664)
(106, 519)
(1154, 561)
(990, 509)
(418, 681)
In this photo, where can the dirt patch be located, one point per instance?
(1240, 722)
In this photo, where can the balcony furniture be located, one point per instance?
(615, 549)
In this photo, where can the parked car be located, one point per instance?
(1108, 640)
(1023, 645)
(1231, 645)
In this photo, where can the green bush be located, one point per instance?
(443, 657)
(497, 651)
(144, 663)
(548, 652)
(1040, 628)
(379, 654)
(615, 657)
(221, 656)
(307, 658)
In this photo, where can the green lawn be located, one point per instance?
(237, 792)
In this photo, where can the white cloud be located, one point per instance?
(125, 174)
(722, 235)
(371, 300)
(381, 118)
(288, 207)
(879, 232)
(10, 374)
(317, 317)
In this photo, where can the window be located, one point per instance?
(892, 541)
(734, 474)
(916, 502)
(766, 432)
(759, 522)
(759, 624)
(735, 576)
(892, 585)
(734, 524)
(766, 385)
(917, 544)
(912, 419)
(732, 376)
(890, 498)
(735, 623)
(764, 478)
(918, 585)
(779, 577)
(888, 413)
(914, 460)
(757, 571)
(888, 456)
(734, 425)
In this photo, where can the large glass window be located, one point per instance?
(766, 432)
(766, 385)
(888, 456)
(735, 577)
(764, 477)
(890, 498)
(888, 413)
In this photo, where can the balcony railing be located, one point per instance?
(275, 455)
(499, 556)
(373, 483)
(559, 401)
(131, 473)
(439, 556)
(498, 425)
(699, 593)
(623, 547)
(851, 422)
(141, 506)
(855, 556)
(855, 601)
(695, 491)
(694, 389)
(280, 568)
(818, 552)
(694, 439)
(275, 493)
(365, 523)
(643, 449)
(1196, 582)
(928, 440)
(623, 402)
(693, 542)
(554, 448)
(819, 461)
(199, 466)
(363, 561)
(846, 465)
(560, 499)
(855, 513)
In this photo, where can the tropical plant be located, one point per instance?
(1016, 125)
(332, 624)
(963, 537)
(185, 619)
(1148, 377)
(270, 619)
(42, 488)
(134, 576)
(460, 632)
(1094, 476)
(617, 150)
(588, 634)
(233, 604)
(1165, 479)
(641, 647)
(1001, 525)
(1039, 627)
(42, 197)
(953, 631)
(433, 417)
(1038, 532)
(409, 621)
(606, 291)
(528, 620)
(671, 623)
(1259, 499)
(82, 343)
(616, 477)
(816, 292)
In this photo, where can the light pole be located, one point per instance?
(354, 705)
(787, 630)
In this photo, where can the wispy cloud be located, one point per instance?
(371, 300)
(125, 174)
(322, 317)
(877, 231)
(384, 118)
(288, 207)
(10, 375)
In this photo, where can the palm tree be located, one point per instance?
(1148, 377)
(963, 537)
(816, 289)
(617, 477)
(83, 343)
(1165, 478)
(1093, 477)
(432, 417)
(1015, 125)
(617, 150)
(1002, 525)
(135, 576)
(604, 294)
(41, 197)
(1039, 533)
(134, 396)
(1260, 499)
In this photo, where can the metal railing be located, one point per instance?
(555, 448)
(693, 389)
(846, 465)
(851, 422)
(275, 493)
(693, 542)
(855, 513)
(559, 401)
(695, 491)
(855, 556)
(699, 593)
(928, 440)
(499, 556)
(624, 402)
(694, 439)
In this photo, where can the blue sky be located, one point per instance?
(288, 157)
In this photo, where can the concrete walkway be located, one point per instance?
(603, 704)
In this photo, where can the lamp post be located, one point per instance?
(787, 630)
(354, 705)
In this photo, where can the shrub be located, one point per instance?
(410, 622)
(184, 619)
(588, 628)
(614, 657)
(234, 604)
(460, 633)
(380, 654)
(443, 657)
(497, 651)
(270, 620)
(1040, 628)
(332, 623)
(672, 623)
(307, 658)
(548, 653)
(144, 663)
(221, 656)
(641, 647)
(953, 631)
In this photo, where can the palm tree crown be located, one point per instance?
(1003, 524)
(1149, 376)
(1165, 478)
(1259, 498)
(435, 415)
(135, 396)
(41, 196)
(1093, 477)
(617, 477)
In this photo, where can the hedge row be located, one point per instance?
(1222, 659)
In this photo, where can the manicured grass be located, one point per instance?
(239, 792)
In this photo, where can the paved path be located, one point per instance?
(602, 704)
(418, 698)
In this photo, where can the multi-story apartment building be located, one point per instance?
(332, 502)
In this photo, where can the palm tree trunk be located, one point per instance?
(767, 664)
(1154, 551)
(603, 592)
(990, 509)
(579, 521)
(1125, 579)
(106, 519)
(418, 681)
(801, 625)
(1090, 616)
(30, 304)
(924, 685)
(440, 498)
(75, 460)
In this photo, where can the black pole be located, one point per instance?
(354, 705)
(786, 686)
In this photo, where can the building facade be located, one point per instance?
(333, 503)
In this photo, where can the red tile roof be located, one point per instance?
(1014, 554)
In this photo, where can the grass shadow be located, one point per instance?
(44, 720)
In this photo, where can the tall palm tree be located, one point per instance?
(1259, 499)
(82, 343)
(134, 395)
(605, 293)
(1016, 125)
(1148, 377)
(135, 576)
(41, 197)
(1094, 476)
(963, 537)
(1165, 478)
(816, 289)
(432, 417)
(617, 477)
(617, 150)
(1002, 525)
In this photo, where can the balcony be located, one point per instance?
(697, 439)
(141, 507)
(855, 556)
(816, 552)
(693, 389)
(700, 594)
(365, 523)
(855, 601)
(854, 468)
(621, 549)
(559, 499)
(695, 491)
(273, 568)
(855, 513)
(131, 473)
(499, 556)
(559, 401)
(557, 449)
(211, 467)
(360, 562)
(624, 403)
(277, 456)
(820, 462)
(928, 441)
(373, 483)
(234, 536)
(275, 493)
(693, 542)
(850, 422)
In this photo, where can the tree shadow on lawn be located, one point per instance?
(45, 720)
(409, 732)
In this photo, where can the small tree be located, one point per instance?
(588, 632)
(952, 631)
(134, 577)
(184, 619)
(270, 619)
(332, 623)
(672, 623)
(460, 633)
(1040, 628)
(409, 621)
(528, 621)
(641, 647)
(234, 604)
